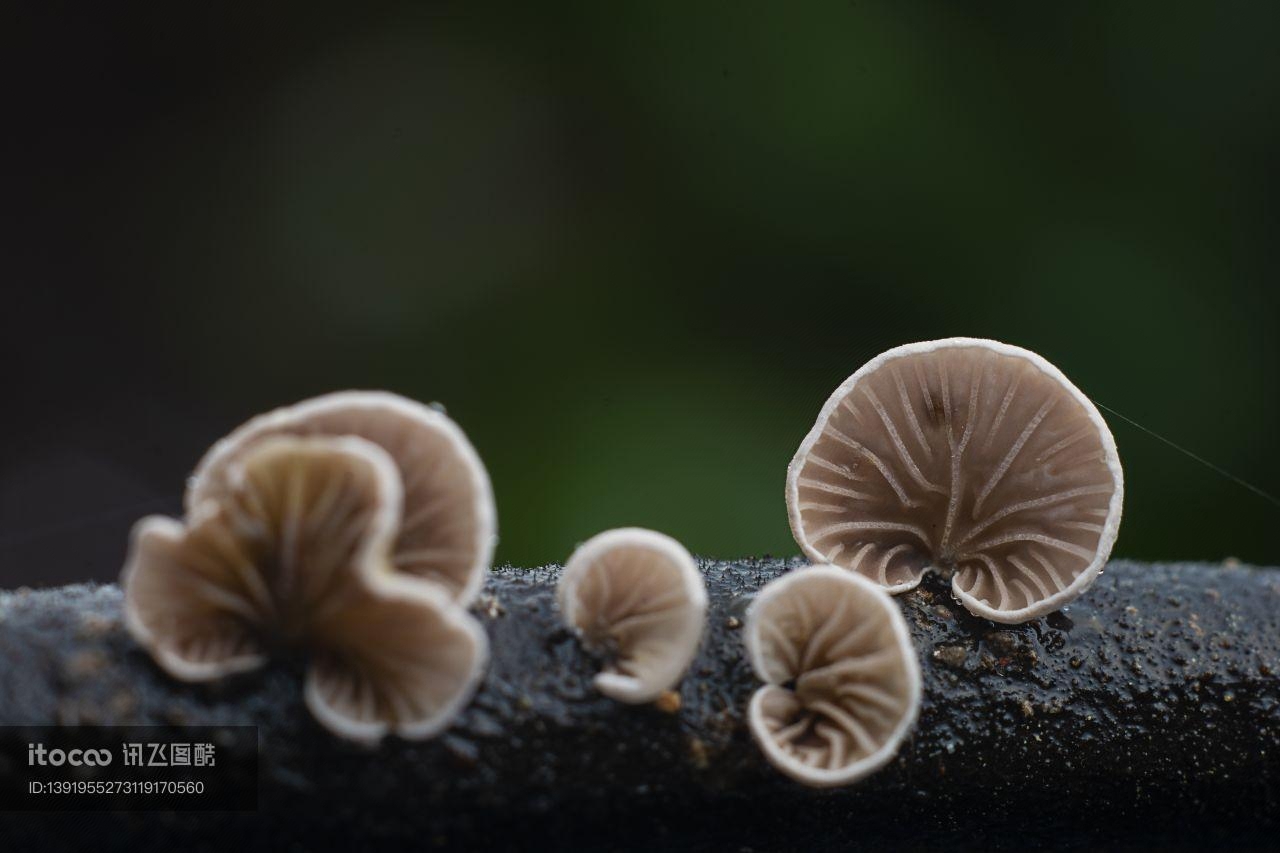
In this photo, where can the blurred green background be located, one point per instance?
(631, 248)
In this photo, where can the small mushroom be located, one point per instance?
(295, 553)
(447, 528)
(638, 596)
(966, 456)
(842, 686)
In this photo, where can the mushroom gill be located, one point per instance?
(842, 686)
(966, 456)
(295, 554)
(637, 596)
(447, 528)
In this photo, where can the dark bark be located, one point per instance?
(1146, 714)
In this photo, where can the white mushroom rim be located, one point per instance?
(295, 553)
(448, 529)
(842, 681)
(638, 596)
(966, 456)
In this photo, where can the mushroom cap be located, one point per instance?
(964, 455)
(839, 639)
(639, 594)
(300, 523)
(296, 551)
(448, 528)
(402, 658)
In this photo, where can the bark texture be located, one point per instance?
(1147, 714)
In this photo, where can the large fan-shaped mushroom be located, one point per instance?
(967, 456)
(636, 595)
(296, 553)
(447, 530)
(842, 683)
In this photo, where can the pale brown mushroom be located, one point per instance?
(447, 530)
(965, 456)
(842, 685)
(637, 596)
(295, 552)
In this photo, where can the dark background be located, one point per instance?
(632, 249)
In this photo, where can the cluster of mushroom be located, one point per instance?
(358, 526)
(355, 527)
(963, 456)
(843, 685)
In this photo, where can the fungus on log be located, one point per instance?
(296, 555)
(967, 456)
(1145, 715)
(841, 644)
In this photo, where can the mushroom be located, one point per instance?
(447, 528)
(842, 686)
(637, 596)
(966, 456)
(295, 553)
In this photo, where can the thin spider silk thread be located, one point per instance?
(1239, 481)
(53, 528)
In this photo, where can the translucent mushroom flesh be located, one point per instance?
(967, 456)
(636, 595)
(296, 553)
(447, 529)
(842, 683)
